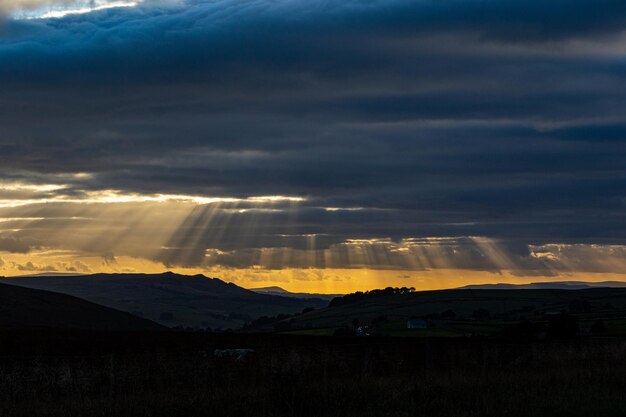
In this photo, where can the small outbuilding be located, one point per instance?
(416, 324)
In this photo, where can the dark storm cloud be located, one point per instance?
(437, 118)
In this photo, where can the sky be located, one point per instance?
(318, 145)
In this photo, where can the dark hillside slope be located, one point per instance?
(464, 302)
(172, 299)
(27, 308)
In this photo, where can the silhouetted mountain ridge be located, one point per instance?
(555, 285)
(275, 290)
(172, 299)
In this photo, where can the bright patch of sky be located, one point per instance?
(56, 11)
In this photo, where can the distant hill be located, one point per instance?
(557, 285)
(464, 302)
(284, 293)
(50, 274)
(172, 299)
(27, 308)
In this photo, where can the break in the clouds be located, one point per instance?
(232, 132)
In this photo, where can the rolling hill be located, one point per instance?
(504, 303)
(27, 308)
(172, 299)
(557, 285)
(284, 293)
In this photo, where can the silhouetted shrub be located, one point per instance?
(265, 321)
(360, 296)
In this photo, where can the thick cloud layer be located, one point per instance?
(392, 119)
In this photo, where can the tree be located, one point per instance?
(359, 296)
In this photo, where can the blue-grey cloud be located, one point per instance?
(434, 118)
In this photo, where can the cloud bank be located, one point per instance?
(390, 120)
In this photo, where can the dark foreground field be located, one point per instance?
(75, 373)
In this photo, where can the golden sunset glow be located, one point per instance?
(330, 280)
(258, 241)
(20, 194)
(360, 271)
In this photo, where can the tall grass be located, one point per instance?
(318, 377)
